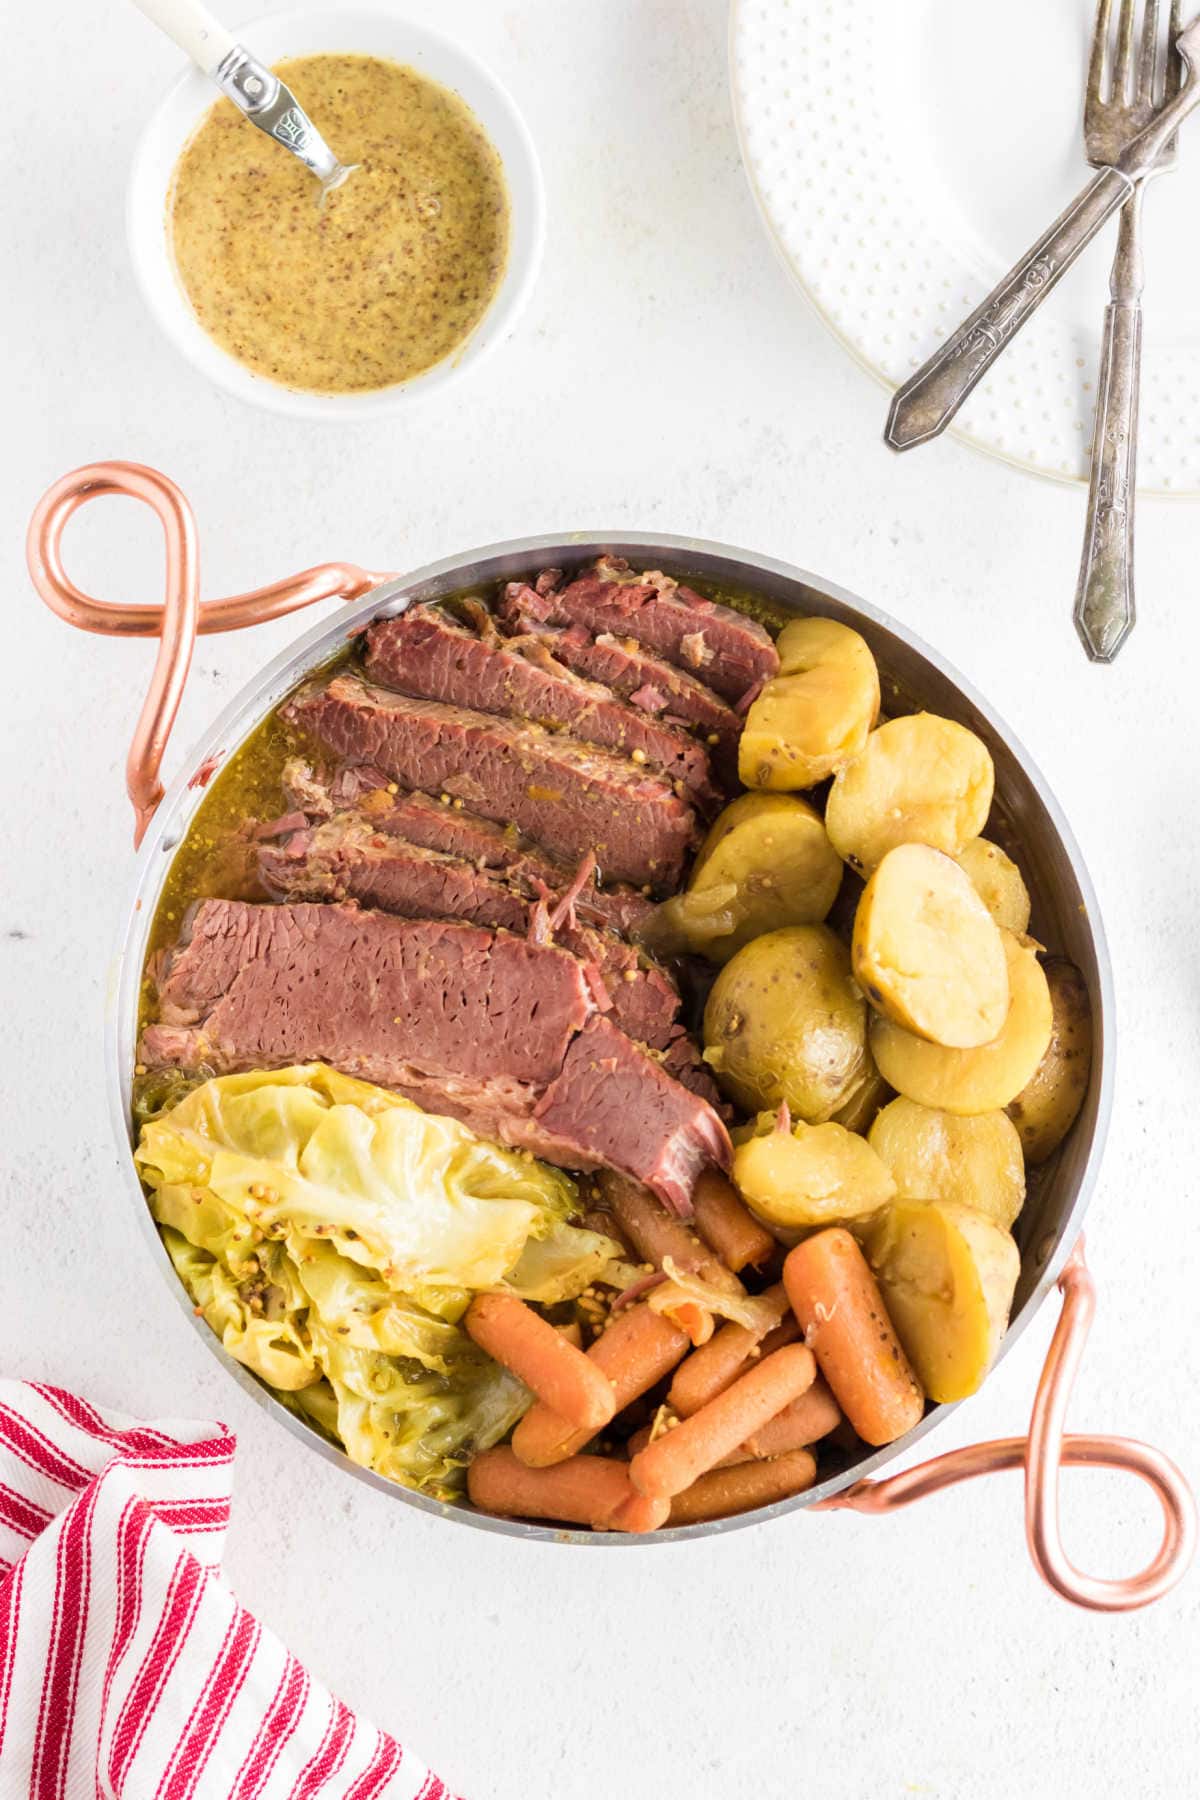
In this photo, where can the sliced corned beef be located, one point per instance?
(628, 1112)
(629, 669)
(348, 858)
(570, 797)
(426, 653)
(269, 985)
(436, 825)
(496, 1031)
(728, 651)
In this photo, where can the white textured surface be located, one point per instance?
(666, 376)
(905, 158)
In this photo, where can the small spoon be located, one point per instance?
(264, 99)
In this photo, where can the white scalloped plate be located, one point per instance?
(903, 154)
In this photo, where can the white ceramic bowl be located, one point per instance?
(299, 34)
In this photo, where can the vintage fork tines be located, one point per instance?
(1126, 86)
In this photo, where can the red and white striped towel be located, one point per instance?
(128, 1671)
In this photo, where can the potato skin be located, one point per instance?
(974, 1081)
(863, 1105)
(773, 849)
(785, 1022)
(975, 1161)
(998, 882)
(920, 779)
(815, 714)
(1045, 1110)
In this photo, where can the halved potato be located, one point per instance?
(1045, 1110)
(785, 1021)
(920, 780)
(973, 1081)
(947, 1275)
(765, 863)
(811, 1175)
(933, 1155)
(928, 952)
(998, 882)
(815, 714)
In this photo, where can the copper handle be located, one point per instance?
(1042, 1454)
(182, 614)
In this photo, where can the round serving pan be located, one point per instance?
(1065, 918)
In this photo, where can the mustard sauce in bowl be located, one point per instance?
(381, 279)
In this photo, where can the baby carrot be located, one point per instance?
(672, 1462)
(727, 1227)
(637, 1349)
(711, 1368)
(808, 1419)
(725, 1492)
(584, 1490)
(837, 1301)
(655, 1233)
(638, 1514)
(542, 1358)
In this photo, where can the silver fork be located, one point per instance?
(1125, 84)
(928, 400)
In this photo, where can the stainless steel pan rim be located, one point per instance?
(720, 562)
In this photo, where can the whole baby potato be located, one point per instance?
(786, 1024)
(921, 779)
(815, 714)
(1045, 1110)
(765, 863)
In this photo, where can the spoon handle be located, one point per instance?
(193, 28)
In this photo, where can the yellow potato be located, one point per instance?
(973, 1081)
(811, 1175)
(920, 780)
(815, 714)
(928, 952)
(975, 1162)
(765, 863)
(947, 1276)
(998, 882)
(1045, 1110)
(785, 1022)
(857, 1112)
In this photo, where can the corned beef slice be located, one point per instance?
(420, 819)
(634, 672)
(269, 985)
(426, 653)
(728, 651)
(569, 797)
(496, 1031)
(626, 1110)
(348, 858)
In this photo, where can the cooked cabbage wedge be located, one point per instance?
(332, 1235)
